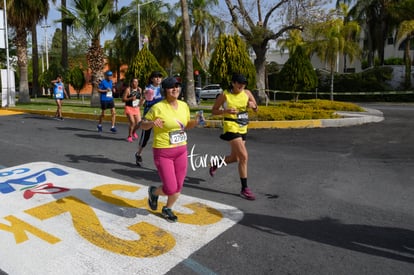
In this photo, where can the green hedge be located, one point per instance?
(369, 81)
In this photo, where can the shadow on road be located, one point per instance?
(96, 159)
(74, 129)
(99, 136)
(206, 189)
(388, 242)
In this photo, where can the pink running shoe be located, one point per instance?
(129, 139)
(135, 136)
(247, 194)
(213, 170)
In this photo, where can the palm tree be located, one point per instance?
(22, 15)
(188, 56)
(375, 16)
(294, 40)
(332, 39)
(206, 28)
(35, 61)
(402, 12)
(405, 32)
(65, 62)
(154, 24)
(93, 16)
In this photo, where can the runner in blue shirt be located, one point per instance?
(152, 95)
(107, 101)
(59, 94)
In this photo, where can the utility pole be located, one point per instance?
(45, 27)
(10, 98)
(139, 22)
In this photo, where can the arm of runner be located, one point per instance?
(126, 94)
(217, 107)
(252, 101)
(148, 124)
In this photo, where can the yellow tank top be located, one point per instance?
(235, 123)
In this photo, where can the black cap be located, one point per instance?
(156, 73)
(169, 82)
(239, 78)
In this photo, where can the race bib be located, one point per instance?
(109, 94)
(177, 137)
(243, 118)
(59, 94)
(135, 103)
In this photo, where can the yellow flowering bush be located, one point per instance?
(301, 110)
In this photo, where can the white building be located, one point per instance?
(390, 51)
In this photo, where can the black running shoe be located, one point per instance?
(152, 199)
(138, 159)
(169, 215)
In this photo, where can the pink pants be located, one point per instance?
(171, 164)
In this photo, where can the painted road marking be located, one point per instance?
(197, 268)
(55, 219)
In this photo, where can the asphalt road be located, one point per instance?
(329, 200)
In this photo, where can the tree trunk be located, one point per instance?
(188, 57)
(65, 63)
(35, 63)
(381, 40)
(370, 47)
(96, 63)
(259, 64)
(407, 82)
(95, 97)
(21, 48)
(332, 81)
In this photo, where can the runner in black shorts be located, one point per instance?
(107, 101)
(233, 104)
(230, 136)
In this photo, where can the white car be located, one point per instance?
(211, 91)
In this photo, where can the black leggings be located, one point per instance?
(145, 135)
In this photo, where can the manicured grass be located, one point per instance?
(304, 109)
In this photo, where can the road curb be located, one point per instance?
(348, 119)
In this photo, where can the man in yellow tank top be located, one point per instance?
(233, 104)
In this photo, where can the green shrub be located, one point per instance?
(394, 61)
(371, 80)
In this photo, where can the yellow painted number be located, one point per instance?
(202, 214)
(153, 241)
(19, 229)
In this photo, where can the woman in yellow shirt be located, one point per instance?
(170, 118)
(233, 104)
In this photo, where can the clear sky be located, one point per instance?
(54, 14)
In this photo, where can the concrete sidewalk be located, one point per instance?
(348, 119)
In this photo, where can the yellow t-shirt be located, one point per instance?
(174, 122)
(238, 101)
